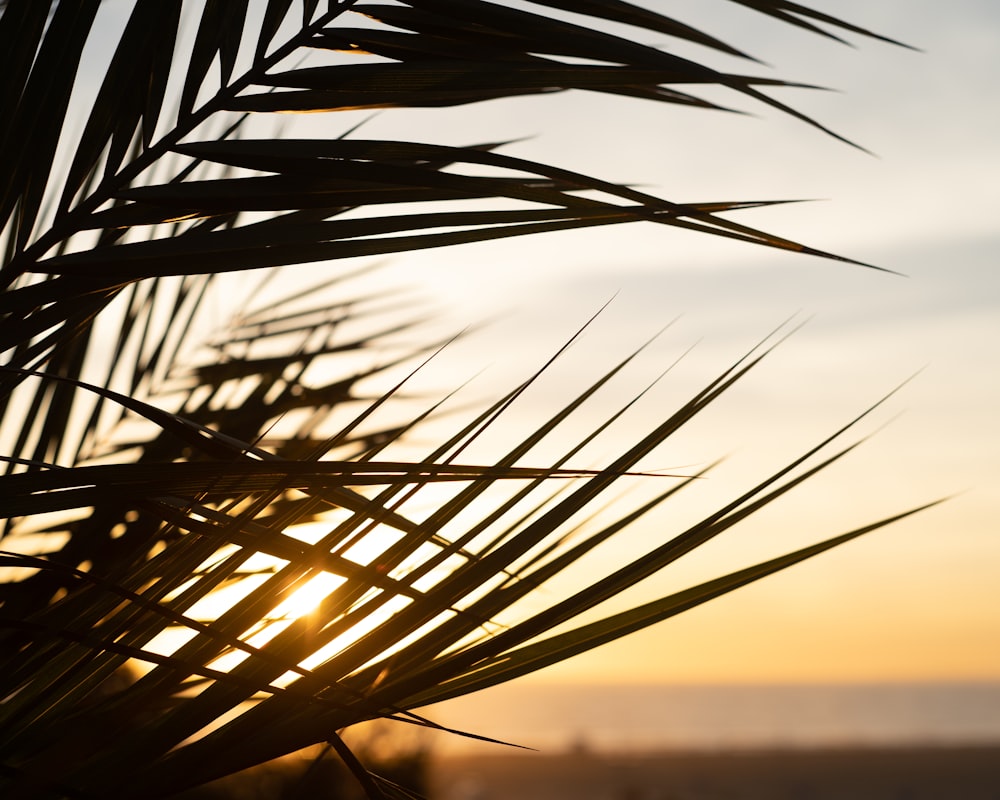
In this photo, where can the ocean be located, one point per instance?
(628, 718)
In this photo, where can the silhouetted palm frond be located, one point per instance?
(196, 486)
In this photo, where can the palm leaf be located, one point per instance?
(159, 458)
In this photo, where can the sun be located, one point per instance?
(307, 598)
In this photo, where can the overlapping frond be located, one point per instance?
(210, 500)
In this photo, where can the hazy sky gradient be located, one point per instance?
(916, 601)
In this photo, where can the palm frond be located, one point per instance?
(184, 497)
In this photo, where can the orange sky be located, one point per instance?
(918, 601)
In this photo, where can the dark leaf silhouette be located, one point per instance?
(198, 488)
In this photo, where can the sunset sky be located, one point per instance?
(917, 601)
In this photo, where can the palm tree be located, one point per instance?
(175, 483)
